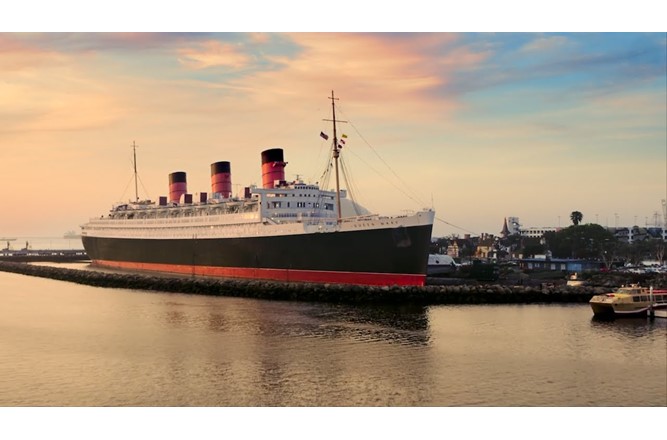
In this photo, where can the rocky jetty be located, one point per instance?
(421, 295)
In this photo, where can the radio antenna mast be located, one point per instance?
(336, 150)
(136, 187)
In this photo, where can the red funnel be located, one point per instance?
(177, 186)
(273, 167)
(221, 179)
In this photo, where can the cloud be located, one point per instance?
(544, 44)
(61, 95)
(578, 65)
(213, 53)
(17, 55)
(397, 75)
(128, 42)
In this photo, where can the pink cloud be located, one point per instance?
(546, 44)
(259, 37)
(16, 55)
(47, 91)
(403, 75)
(212, 54)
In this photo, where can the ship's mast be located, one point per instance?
(136, 187)
(336, 151)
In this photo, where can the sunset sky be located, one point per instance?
(479, 126)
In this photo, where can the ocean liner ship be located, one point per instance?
(287, 231)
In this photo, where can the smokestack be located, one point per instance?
(221, 179)
(273, 167)
(177, 186)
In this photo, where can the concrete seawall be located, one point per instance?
(427, 295)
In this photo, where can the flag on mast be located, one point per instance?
(324, 135)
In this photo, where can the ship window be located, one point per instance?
(635, 298)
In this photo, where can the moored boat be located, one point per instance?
(573, 281)
(288, 231)
(629, 301)
(441, 265)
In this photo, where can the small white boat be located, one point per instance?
(573, 281)
(439, 264)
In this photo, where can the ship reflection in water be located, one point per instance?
(72, 345)
(395, 324)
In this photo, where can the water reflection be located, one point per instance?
(175, 318)
(71, 345)
(217, 322)
(629, 328)
(395, 324)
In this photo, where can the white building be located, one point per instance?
(537, 231)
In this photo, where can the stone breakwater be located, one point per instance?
(333, 293)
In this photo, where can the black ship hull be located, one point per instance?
(390, 256)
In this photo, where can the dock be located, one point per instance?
(50, 255)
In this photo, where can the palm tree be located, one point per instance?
(576, 217)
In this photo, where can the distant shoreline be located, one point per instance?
(53, 255)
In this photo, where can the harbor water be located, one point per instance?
(64, 344)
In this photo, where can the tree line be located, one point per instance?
(578, 241)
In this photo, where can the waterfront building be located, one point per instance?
(453, 250)
(636, 233)
(512, 226)
(560, 264)
(538, 231)
(486, 248)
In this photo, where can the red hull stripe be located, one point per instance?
(311, 276)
